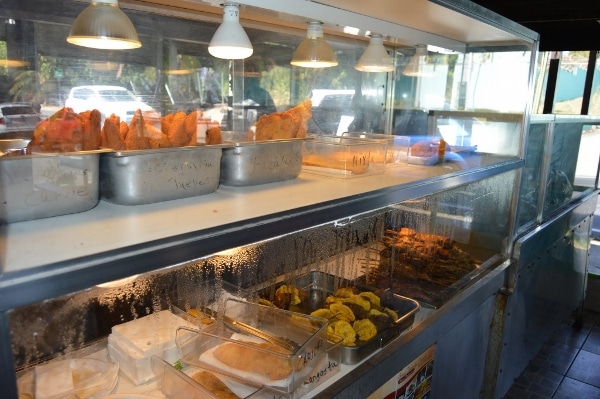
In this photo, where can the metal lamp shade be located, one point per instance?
(230, 41)
(375, 58)
(103, 25)
(314, 51)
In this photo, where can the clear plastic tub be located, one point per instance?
(200, 302)
(132, 344)
(397, 146)
(344, 157)
(230, 351)
(177, 384)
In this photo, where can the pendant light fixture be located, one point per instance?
(314, 51)
(174, 63)
(375, 58)
(415, 65)
(230, 41)
(103, 25)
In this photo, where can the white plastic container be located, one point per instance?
(132, 344)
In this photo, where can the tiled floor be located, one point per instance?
(568, 366)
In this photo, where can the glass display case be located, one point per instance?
(556, 212)
(430, 249)
(562, 150)
(68, 280)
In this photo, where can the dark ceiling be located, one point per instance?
(562, 24)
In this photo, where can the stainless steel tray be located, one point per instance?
(149, 176)
(315, 286)
(45, 185)
(10, 145)
(249, 163)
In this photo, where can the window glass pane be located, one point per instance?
(587, 157)
(595, 97)
(540, 82)
(471, 100)
(570, 82)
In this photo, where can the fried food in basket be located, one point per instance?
(212, 383)
(256, 358)
(67, 131)
(283, 125)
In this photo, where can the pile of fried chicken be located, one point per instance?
(68, 131)
(176, 130)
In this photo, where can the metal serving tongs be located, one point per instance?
(282, 342)
(242, 327)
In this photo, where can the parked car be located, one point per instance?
(106, 99)
(18, 120)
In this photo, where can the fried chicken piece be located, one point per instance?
(64, 127)
(59, 133)
(90, 123)
(37, 142)
(276, 126)
(284, 125)
(111, 134)
(303, 111)
(156, 138)
(213, 135)
(255, 360)
(136, 140)
(123, 130)
(191, 126)
(165, 122)
(212, 383)
(177, 133)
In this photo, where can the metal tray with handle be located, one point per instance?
(313, 289)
